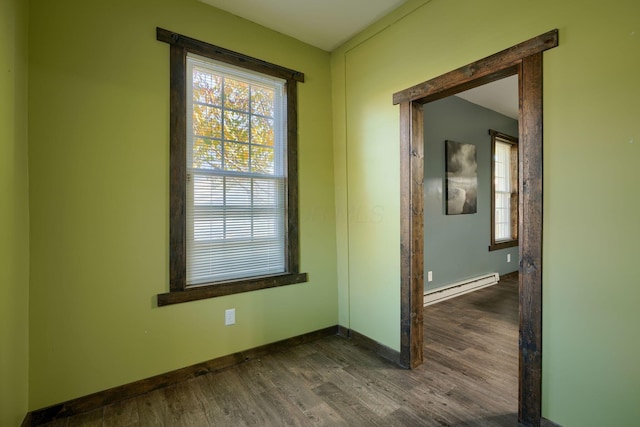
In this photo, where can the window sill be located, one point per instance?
(228, 288)
(503, 245)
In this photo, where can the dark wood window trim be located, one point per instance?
(178, 291)
(502, 137)
(524, 59)
(503, 245)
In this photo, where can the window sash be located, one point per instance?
(235, 212)
(502, 196)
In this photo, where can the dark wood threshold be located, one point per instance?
(137, 388)
(369, 344)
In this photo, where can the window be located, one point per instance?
(233, 172)
(504, 200)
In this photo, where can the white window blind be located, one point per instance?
(502, 171)
(236, 176)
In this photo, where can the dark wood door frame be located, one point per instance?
(525, 60)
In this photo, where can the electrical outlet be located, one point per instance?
(230, 317)
(508, 257)
(429, 276)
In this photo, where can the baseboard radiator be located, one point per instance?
(460, 288)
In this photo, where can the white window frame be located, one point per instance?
(226, 236)
(504, 190)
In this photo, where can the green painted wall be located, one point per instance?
(98, 156)
(14, 214)
(456, 246)
(592, 150)
(99, 144)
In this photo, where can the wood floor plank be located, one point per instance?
(295, 374)
(299, 391)
(403, 417)
(281, 410)
(62, 422)
(354, 413)
(152, 408)
(324, 415)
(469, 378)
(183, 407)
(474, 345)
(121, 414)
(363, 388)
(237, 405)
(87, 419)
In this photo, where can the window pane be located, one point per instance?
(208, 229)
(262, 159)
(249, 258)
(262, 131)
(207, 121)
(501, 183)
(208, 190)
(236, 126)
(238, 191)
(207, 154)
(207, 88)
(236, 94)
(236, 157)
(238, 226)
(502, 166)
(267, 192)
(502, 216)
(262, 99)
(265, 226)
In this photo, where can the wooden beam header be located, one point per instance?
(225, 55)
(498, 65)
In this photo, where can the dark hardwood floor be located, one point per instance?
(469, 379)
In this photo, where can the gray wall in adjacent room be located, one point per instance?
(456, 246)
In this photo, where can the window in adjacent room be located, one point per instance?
(504, 200)
(233, 177)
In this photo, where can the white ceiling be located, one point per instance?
(500, 96)
(329, 23)
(322, 23)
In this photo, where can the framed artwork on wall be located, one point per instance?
(461, 178)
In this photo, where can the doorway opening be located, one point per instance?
(471, 283)
(524, 60)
